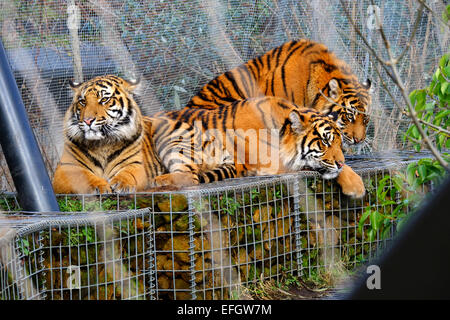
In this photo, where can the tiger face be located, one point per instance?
(347, 103)
(318, 144)
(103, 110)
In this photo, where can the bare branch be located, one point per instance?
(412, 112)
(395, 76)
(439, 129)
(413, 34)
(438, 17)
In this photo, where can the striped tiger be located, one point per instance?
(107, 146)
(108, 143)
(303, 72)
(110, 147)
(256, 136)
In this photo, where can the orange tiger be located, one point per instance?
(110, 147)
(257, 136)
(303, 72)
(107, 143)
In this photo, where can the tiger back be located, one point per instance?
(303, 72)
(107, 145)
(257, 136)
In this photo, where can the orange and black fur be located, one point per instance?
(107, 143)
(110, 147)
(257, 136)
(303, 72)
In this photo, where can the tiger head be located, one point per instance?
(334, 90)
(347, 102)
(103, 111)
(315, 142)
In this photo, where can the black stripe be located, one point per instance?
(284, 127)
(307, 47)
(133, 139)
(230, 78)
(125, 159)
(85, 152)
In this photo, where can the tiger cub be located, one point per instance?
(303, 72)
(257, 136)
(107, 146)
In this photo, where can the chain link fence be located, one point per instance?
(176, 47)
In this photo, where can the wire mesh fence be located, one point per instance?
(101, 257)
(176, 47)
(212, 242)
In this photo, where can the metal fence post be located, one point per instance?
(297, 228)
(20, 147)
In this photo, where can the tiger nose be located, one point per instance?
(88, 121)
(339, 164)
(356, 140)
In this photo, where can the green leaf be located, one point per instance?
(444, 87)
(363, 218)
(411, 173)
(388, 202)
(375, 220)
(422, 171)
(372, 235)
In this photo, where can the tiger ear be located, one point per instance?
(296, 123)
(132, 85)
(368, 86)
(74, 85)
(334, 88)
(300, 120)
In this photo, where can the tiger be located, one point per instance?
(107, 145)
(256, 136)
(301, 71)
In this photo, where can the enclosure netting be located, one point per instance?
(176, 47)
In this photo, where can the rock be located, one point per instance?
(262, 215)
(257, 252)
(182, 295)
(173, 203)
(164, 282)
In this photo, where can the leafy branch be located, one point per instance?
(420, 121)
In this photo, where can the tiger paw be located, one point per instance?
(123, 183)
(99, 186)
(180, 179)
(351, 183)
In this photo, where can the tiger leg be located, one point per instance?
(131, 178)
(181, 179)
(71, 178)
(225, 171)
(351, 183)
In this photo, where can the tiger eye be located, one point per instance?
(82, 102)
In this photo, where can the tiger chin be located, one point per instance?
(107, 147)
(298, 138)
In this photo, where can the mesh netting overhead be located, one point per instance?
(176, 47)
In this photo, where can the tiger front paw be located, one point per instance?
(123, 183)
(179, 179)
(98, 185)
(351, 183)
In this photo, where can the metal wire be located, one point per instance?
(202, 243)
(176, 47)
